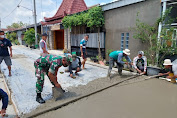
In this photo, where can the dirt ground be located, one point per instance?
(146, 99)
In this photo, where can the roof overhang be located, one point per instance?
(119, 3)
(165, 0)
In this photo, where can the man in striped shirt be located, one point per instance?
(83, 44)
(140, 63)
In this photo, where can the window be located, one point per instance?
(122, 41)
(127, 40)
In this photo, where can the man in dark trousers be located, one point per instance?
(4, 53)
(4, 98)
(83, 45)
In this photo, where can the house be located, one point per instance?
(120, 20)
(60, 38)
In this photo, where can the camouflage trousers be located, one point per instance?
(40, 74)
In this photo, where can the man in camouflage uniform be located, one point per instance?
(48, 65)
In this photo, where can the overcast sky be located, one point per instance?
(45, 8)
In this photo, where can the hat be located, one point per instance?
(74, 56)
(44, 34)
(126, 51)
(68, 58)
(167, 62)
(141, 53)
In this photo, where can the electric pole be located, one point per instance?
(0, 23)
(35, 22)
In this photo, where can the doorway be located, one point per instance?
(59, 39)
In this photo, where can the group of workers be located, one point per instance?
(49, 65)
(139, 62)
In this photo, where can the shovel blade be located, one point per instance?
(57, 93)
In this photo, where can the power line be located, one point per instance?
(13, 10)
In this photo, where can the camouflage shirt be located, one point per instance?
(49, 62)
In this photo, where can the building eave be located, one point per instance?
(119, 3)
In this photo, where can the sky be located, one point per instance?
(44, 8)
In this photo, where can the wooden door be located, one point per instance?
(59, 39)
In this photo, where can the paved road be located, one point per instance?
(10, 110)
(148, 99)
(23, 80)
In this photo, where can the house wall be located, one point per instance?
(123, 20)
(67, 39)
(19, 36)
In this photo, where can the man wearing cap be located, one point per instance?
(83, 44)
(48, 65)
(75, 65)
(172, 73)
(4, 53)
(4, 98)
(43, 45)
(140, 63)
(118, 56)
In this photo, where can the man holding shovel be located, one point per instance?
(172, 73)
(48, 65)
(117, 56)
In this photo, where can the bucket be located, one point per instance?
(57, 93)
(151, 71)
(73, 53)
(172, 80)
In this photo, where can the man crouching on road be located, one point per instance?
(75, 65)
(117, 56)
(48, 65)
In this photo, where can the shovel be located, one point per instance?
(57, 93)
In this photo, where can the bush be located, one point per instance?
(17, 42)
(12, 37)
(29, 37)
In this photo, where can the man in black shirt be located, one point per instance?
(4, 53)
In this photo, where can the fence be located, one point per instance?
(93, 40)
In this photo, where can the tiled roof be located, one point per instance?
(68, 7)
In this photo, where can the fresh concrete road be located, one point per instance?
(148, 99)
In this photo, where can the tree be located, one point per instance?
(93, 18)
(17, 25)
(148, 35)
(29, 36)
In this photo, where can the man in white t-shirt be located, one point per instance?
(43, 45)
(172, 73)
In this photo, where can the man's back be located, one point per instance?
(114, 54)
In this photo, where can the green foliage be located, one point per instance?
(16, 25)
(12, 36)
(91, 18)
(17, 42)
(148, 34)
(108, 51)
(29, 36)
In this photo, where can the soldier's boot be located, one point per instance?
(39, 99)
